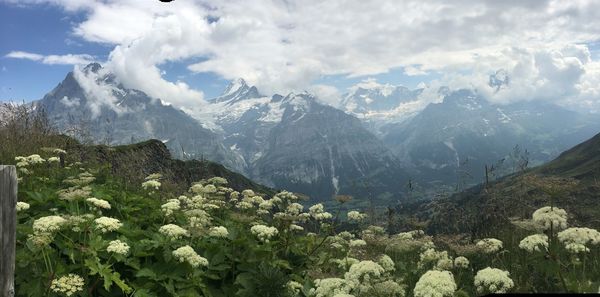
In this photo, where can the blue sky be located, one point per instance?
(186, 51)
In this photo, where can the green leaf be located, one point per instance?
(146, 272)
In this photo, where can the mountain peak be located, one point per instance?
(92, 67)
(237, 90)
(234, 86)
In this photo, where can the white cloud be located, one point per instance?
(99, 93)
(70, 102)
(285, 45)
(69, 59)
(325, 93)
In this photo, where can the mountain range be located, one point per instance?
(372, 144)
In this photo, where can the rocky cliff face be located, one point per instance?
(295, 142)
(292, 142)
(91, 105)
(456, 138)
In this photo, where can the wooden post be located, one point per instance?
(8, 225)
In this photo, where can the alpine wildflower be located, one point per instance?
(318, 213)
(387, 263)
(151, 185)
(364, 272)
(218, 231)
(435, 284)
(173, 231)
(170, 207)
(493, 280)
(264, 233)
(21, 206)
(49, 224)
(68, 285)
(532, 243)
(118, 247)
(355, 216)
(577, 239)
(330, 287)
(489, 245)
(187, 254)
(550, 216)
(106, 224)
(99, 203)
(461, 262)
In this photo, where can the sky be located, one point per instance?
(186, 51)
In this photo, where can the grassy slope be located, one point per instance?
(480, 210)
(136, 161)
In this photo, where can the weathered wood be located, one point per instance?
(8, 224)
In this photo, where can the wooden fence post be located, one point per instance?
(8, 225)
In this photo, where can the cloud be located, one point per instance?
(99, 93)
(288, 45)
(69, 59)
(325, 93)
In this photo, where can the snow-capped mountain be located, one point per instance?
(465, 132)
(297, 143)
(292, 142)
(379, 137)
(377, 104)
(91, 105)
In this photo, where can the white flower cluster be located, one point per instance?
(387, 263)
(196, 188)
(118, 247)
(550, 216)
(187, 254)
(294, 227)
(534, 243)
(99, 203)
(67, 285)
(345, 263)
(489, 245)
(435, 284)
(364, 272)
(53, 160)
(29, 160)
(21, 206)
(576, 240)
(59, 151)
(294, 287)
(77, 222)
(173, 231)
(74, 193)
(170, 207)
(82, 179)
(153, 176)
(493, 280)
(219, 181)
(373, 232)
(218, 231)
(198, 219)
(461, 262)
(328, 287)
(294, 209)
(357, 243)
(410, 235)
(151, 185)
(264, 233)
(440, 259)
(49, 224)
(355, 216)
(318, 212)
(387, 288)
(106, 224)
